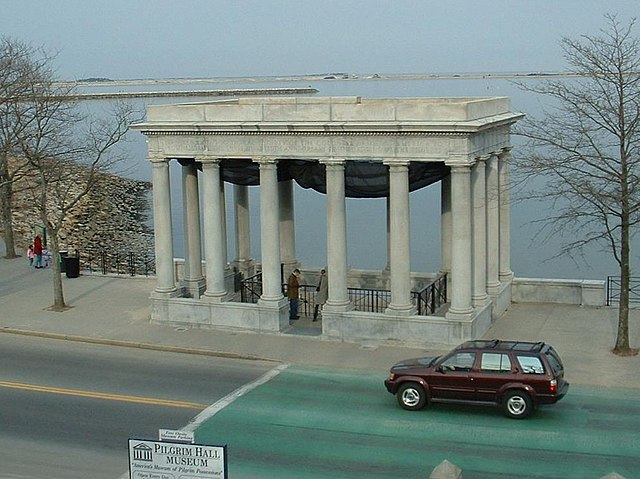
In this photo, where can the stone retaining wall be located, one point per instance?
(114, 216)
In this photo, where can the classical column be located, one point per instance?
(461, 242)
(505, 273)
(223, 225)
(445, 224)
(269, 231)
(478, 186)
(213, 232)
(338, 299)
(287, 227)
(399, 239)
(192, 275)
(165, 283)
(243, 259)
(493, 227)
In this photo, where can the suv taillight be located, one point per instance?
(553, 385)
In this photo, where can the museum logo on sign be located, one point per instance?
(142, 452)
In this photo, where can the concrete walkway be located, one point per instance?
(115, 310)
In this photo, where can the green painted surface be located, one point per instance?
(317, 423)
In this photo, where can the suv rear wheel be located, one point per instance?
(517, 404)
(411, 396)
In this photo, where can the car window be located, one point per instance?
(531, 364)
(495, 362)
(554, 361)
(460, 362)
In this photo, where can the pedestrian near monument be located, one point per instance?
(30, 254)
(46, 258)
(293, 289)
(37, 250)
(321, 293)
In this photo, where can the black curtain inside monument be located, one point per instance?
(363, 179)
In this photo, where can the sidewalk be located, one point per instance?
(115, 310)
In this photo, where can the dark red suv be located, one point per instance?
(516, 375)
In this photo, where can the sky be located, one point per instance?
(133, 39)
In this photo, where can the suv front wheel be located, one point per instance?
(412, 396)
(517, 404)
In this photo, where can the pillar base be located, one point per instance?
(465, 315)
(215, 296)
(194, 287)
(278, 302)
(246, 266)
(493, 290)
(480, 301)
(401, 310)
(338, 307)
(506, 277)
(165, 293)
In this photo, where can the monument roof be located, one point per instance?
(353, 113)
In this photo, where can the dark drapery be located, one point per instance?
(363, 179)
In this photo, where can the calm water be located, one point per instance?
(367, 218)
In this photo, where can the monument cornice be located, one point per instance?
(169, 132)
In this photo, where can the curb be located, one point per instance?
(135, 345)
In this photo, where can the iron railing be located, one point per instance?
(251, 288)
(369, 300)
(427, 301)
(127, 263)
(614, 285)
(432, 297)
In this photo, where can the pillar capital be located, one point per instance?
(159, 160)
(460, 169)
(333, 162)
(459, 160)
(208, 161)
(265, 161)
(396, 163)
(507, 149)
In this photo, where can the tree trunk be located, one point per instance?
(6, 213)
(622, 346)
(58, 293)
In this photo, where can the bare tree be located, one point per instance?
(586, 151)
(20, 65)
(66, 151)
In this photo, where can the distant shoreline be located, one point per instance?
(103, 82)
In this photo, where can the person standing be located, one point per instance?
(293, 289)
(321, 293)
(37, 250)
(30, 254)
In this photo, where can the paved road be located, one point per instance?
(68, 409)
(319, 423)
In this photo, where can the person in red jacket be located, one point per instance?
(37, 250)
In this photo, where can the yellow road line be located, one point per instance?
(98, 395)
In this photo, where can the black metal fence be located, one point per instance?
(432, 297)
(427, 301)
(251, 288)
(127, 263)
(614, 288)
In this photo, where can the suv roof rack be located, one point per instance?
(503, 345)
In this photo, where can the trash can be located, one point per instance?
(63, 264)
(72, 266)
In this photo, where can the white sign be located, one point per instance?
(176, 460)
(173, 435)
